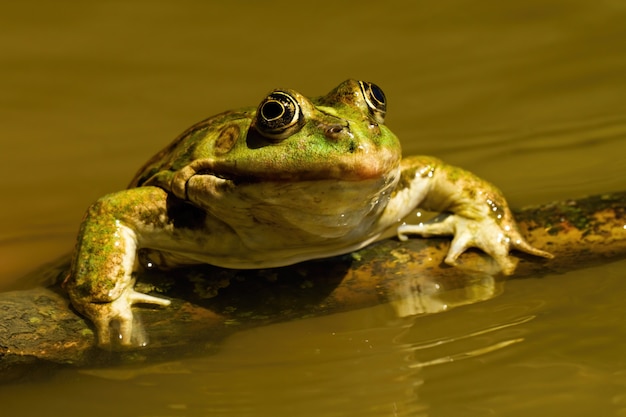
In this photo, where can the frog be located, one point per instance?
(289, 180)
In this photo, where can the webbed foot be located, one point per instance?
(119, 311)
(494, 238)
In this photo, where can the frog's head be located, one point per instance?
(289, 137)
(328, 161)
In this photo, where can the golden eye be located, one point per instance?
(375, 99)
(278, 116)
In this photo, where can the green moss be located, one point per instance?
(576, 217)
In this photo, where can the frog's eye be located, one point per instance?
(278, 116)
(375, 99)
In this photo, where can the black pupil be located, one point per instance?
(378, 94)
(272, 110)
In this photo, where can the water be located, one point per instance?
(527, 94)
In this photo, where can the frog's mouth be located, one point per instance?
(358, 166)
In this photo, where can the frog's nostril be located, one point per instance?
(335, 131)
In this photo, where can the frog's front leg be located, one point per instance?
(475, 212)
(100, 282)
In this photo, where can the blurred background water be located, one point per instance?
(528, 94)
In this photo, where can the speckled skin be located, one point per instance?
(293, 179)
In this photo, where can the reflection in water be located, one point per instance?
(373, 363)
(369, 362)
(124, 374)
(425, 294)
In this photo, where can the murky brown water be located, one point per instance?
(529, 94)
